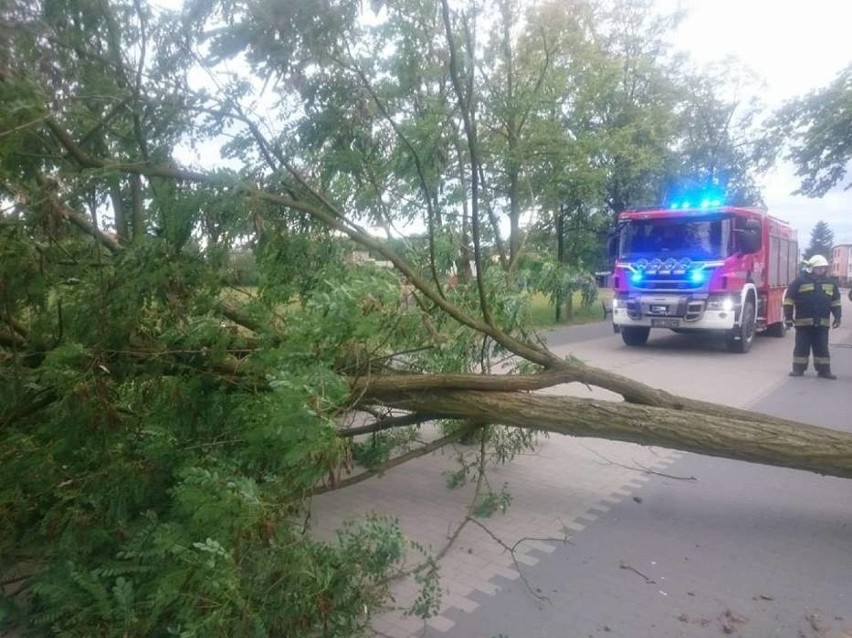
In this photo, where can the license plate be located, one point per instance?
(665, 323)
(659, 310)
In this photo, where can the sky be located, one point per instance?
(795, 46)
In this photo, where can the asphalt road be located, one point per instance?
(707, 546)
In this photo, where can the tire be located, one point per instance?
(745, 331)
(635, 335)
(777, 330)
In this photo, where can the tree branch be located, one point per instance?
(15, 325)
(38, 402)
(632, 391)
(75, 218)
(386, 424)
(237, 316)
(12, 340)
(464, 102)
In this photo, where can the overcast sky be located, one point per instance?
(795, 46)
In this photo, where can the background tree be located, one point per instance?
(817, 130)
(822, 241)
(719, 146)
(637, 104)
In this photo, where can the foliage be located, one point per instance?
(720, 146)
(491, 502)
(380, 446)
(822, 241)
(817, 129)
(428, 601)
(150, 482)
(242, 269)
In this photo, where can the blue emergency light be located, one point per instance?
(707, 198)
(697, 276)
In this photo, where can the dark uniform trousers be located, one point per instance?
(811, 338)
(814, 299)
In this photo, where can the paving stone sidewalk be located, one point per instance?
(556, 491)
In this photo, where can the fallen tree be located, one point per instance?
(747, 437)
(678, 422)
(161, 431)
(648, 416)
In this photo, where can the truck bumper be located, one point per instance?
(674, 312)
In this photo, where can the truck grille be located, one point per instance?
(668, 282)
(683, 307)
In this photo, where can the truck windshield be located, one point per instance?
(692, 237)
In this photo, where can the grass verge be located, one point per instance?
(544, 313)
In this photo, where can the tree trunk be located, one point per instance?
(136, 220)
(560, 254)
(118, 210)
(769, 442)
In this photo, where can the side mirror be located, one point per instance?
(612, 241)
(612, 247)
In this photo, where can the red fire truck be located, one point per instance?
(704, 268)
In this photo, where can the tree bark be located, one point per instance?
(768, 442)
(137, 222)
(118, 209)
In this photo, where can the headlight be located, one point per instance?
(614, 303)
(725, 304)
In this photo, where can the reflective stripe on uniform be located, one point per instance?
(806, 321)
(806, 288)
(828, 289)
(800, 360)
(836, 304)
(822, 361)
(788, 302)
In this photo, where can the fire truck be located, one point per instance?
(709, 267)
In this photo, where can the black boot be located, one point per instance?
(797, 373)
(826, 374)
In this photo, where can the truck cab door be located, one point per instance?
(748, 236)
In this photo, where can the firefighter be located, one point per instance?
(815, 297)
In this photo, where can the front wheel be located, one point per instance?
(741, 339)
(635, 335)
(777, 330)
